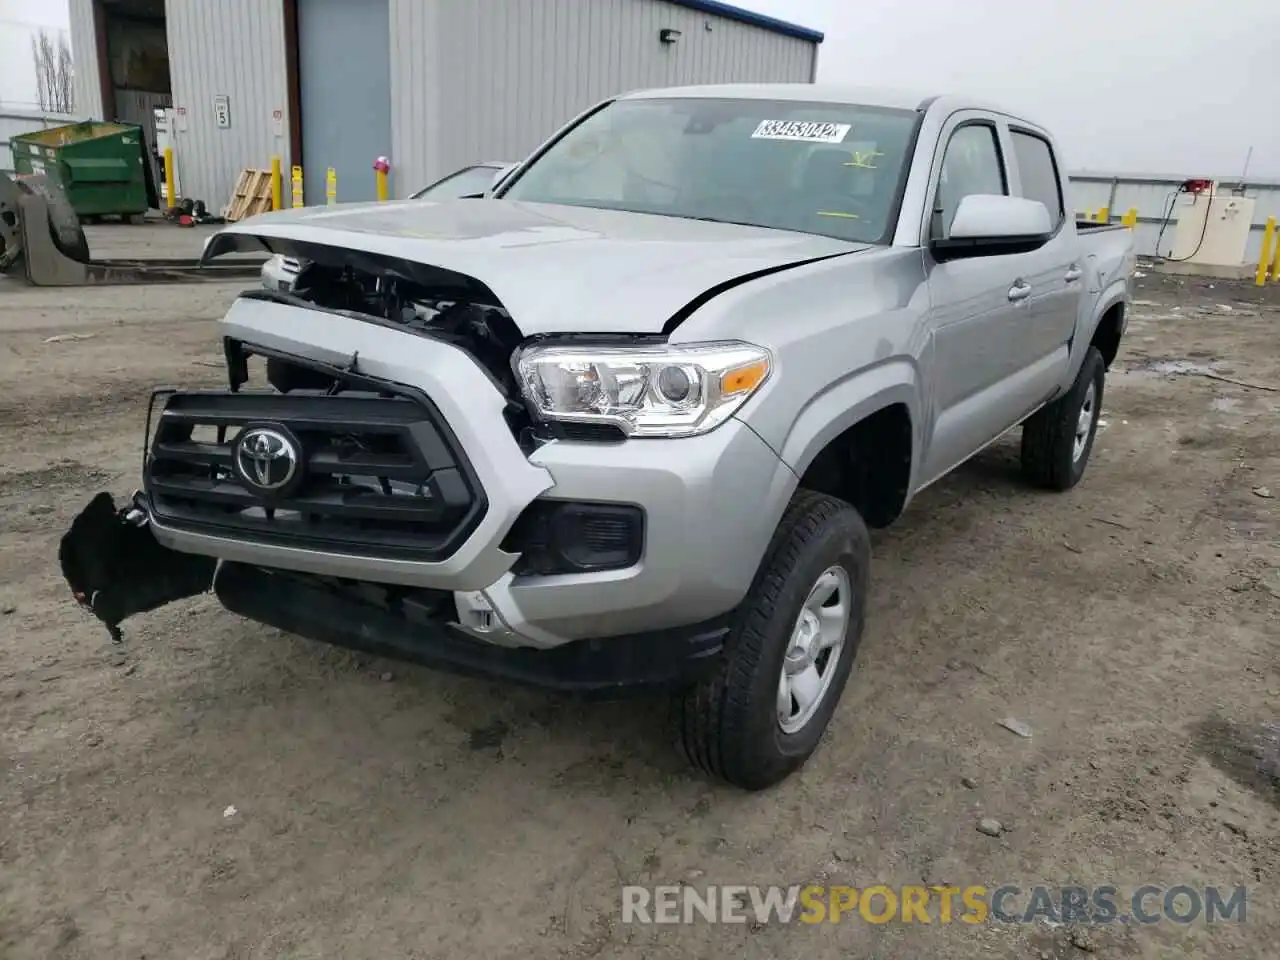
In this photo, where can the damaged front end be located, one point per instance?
(381, 477)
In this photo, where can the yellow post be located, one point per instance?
(296, 175)
(1104, 215)
(1275, 264)
(170, 194)
(1264, 258)
(331, 186)
(381, 177)
(1130, 219)
(277, 188)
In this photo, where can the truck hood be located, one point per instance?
(555, 268)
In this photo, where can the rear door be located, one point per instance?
(976, 302)
(1040, 346)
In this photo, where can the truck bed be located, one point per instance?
(1090, 226)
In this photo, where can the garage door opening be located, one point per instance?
(342, 117)
(133, 64)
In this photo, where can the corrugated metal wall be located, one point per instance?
(1151, 196)
(470, 84)
(233, 48)
(84, 53)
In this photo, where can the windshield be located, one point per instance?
(824, 168)
(466, 182)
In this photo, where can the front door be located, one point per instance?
(978, 302)
(344, 72)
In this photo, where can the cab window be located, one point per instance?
(971, 165)
(1038, 173)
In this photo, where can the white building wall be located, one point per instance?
(84, 54)
(470, 84)
(233, 48)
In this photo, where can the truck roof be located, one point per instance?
(821, 93)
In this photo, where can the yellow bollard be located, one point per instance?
(331, 186)
(381, 166)
(277, 188)
(1104, 215)
(170, 194)
(1130, 219)
(296, 175)
(1275, 264)
(1264, 258)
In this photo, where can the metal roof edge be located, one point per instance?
(1107, 176)
(750, 17)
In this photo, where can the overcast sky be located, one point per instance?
(1132, 86)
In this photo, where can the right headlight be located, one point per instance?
(662, 390)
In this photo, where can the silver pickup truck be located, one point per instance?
(623, 425)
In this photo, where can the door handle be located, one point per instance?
(1073, 274)
(1019, 291)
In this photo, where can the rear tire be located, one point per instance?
(783, 650)
(1057, 440)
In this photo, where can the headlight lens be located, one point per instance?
(645, 391)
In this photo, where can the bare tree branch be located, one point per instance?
(55, 72)
(66, 76)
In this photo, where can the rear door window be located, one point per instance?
(1038, 172)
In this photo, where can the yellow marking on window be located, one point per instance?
(837, 213)
(863, 158)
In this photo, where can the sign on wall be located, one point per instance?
(222, 110)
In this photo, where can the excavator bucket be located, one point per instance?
(40, 235)
(65, 234)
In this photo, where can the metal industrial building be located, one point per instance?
(432, 84)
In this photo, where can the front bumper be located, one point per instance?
(711, 503)
(621, 666)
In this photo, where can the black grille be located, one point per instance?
(378, 475)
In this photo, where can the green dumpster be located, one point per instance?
(99, 165)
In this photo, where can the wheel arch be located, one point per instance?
(860, 441)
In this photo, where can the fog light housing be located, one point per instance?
(557, 536)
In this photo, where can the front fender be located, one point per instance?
(848, 401)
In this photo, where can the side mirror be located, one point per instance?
(988, 225)
(500, 175)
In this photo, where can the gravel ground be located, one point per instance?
(215, 789)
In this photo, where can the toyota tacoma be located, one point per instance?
(623, 424)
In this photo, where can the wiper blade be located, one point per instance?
(736, 223)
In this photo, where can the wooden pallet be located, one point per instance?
(252, 194)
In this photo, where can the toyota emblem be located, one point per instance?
(266, 459)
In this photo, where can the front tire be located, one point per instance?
(1057, 440)
(787, 659)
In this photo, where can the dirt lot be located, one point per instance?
(384, 811)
